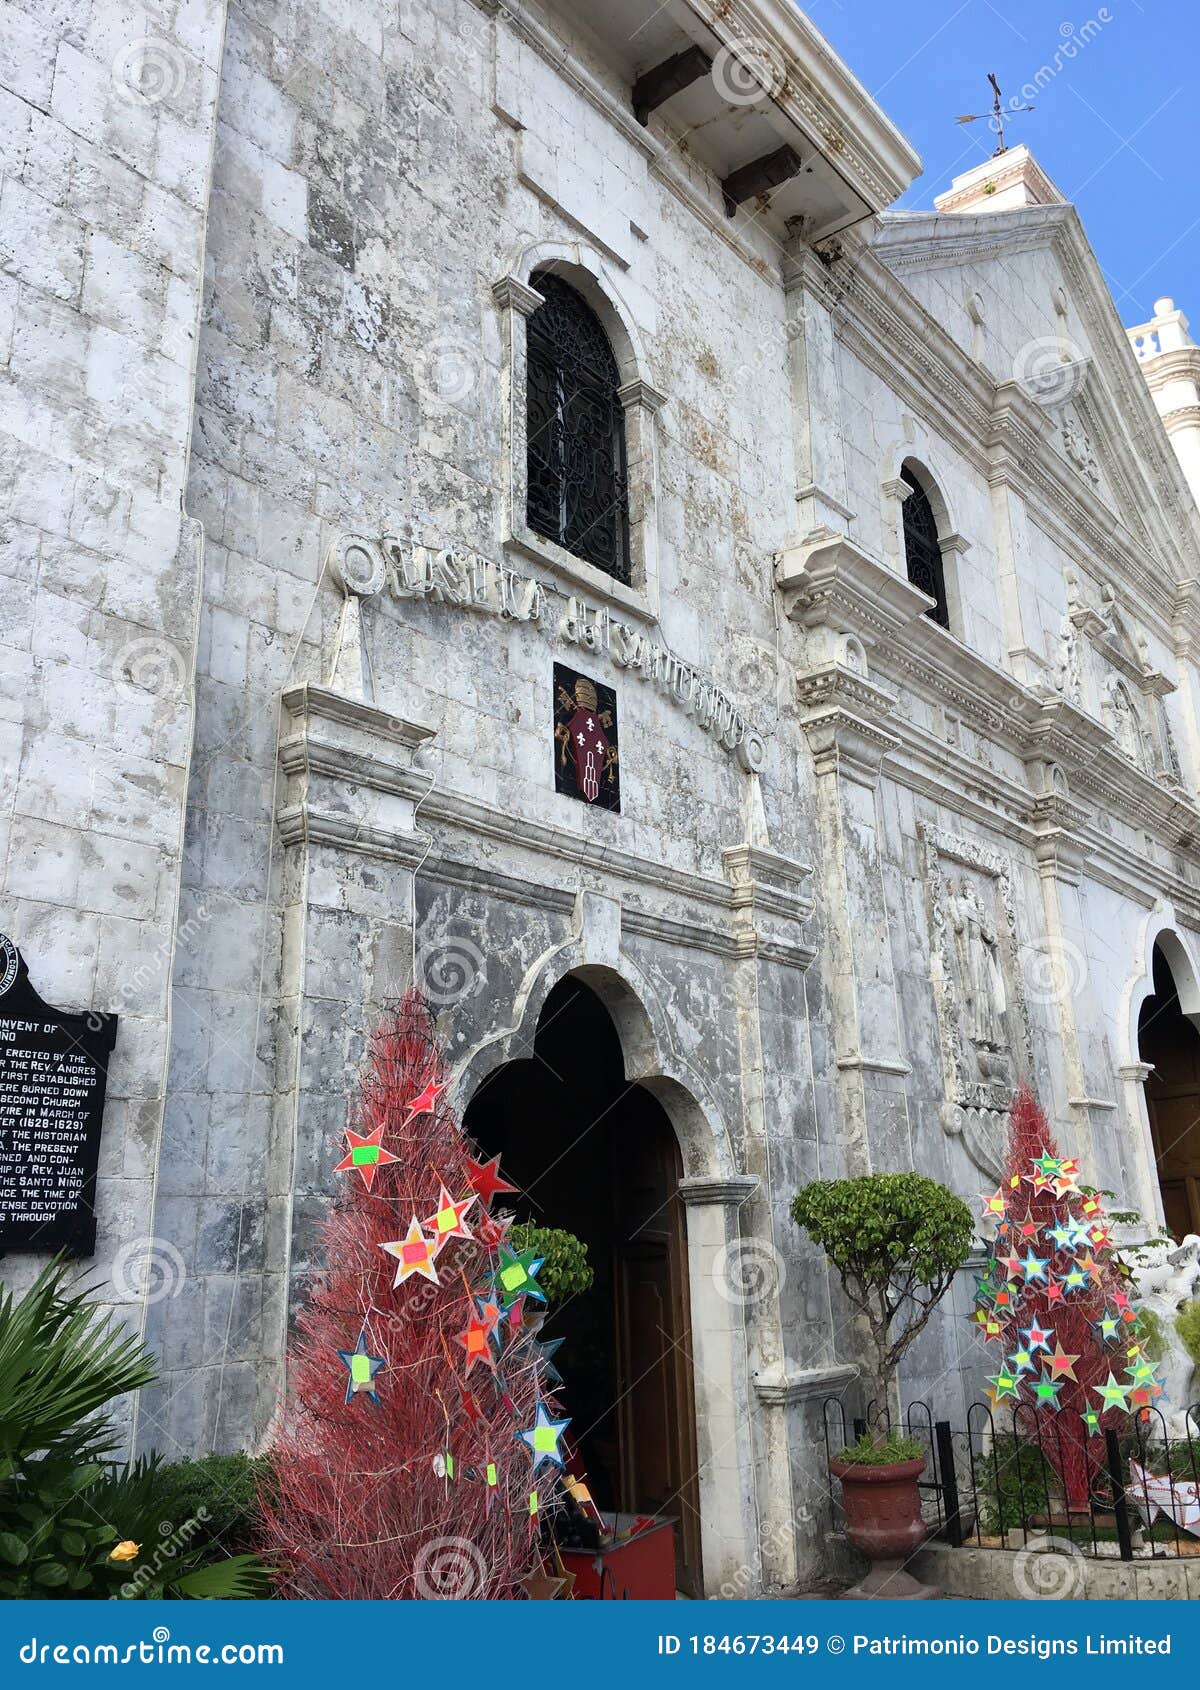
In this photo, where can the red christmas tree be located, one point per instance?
(1054, 1303)
(418, 1450)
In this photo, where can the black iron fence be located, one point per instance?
(995, 1483)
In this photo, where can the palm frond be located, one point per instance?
(61, 1361)
(242, 1577)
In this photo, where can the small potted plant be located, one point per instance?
(896, 1240)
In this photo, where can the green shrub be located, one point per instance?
(896, 1240)
(72, 1522)
(219, 1490)
(566, 1271)
(1013, 1480)
(870, 1451)
(1187, 1324)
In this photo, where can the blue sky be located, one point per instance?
(1116, 125)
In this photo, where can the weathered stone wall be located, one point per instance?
(369, 191)
(384, 185)
(106, 122)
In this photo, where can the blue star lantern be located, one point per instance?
(1034, 1267)
(362, 1369)
(542, 1438)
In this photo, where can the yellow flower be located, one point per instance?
(126, 1551)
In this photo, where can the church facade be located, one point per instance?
(494, 499)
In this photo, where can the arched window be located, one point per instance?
(577, 491)
(922, 551)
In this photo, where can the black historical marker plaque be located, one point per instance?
(53, 1074)
(586, 756)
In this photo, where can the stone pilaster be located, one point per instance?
(347, 818)
(1058, 960)
(846, 602)
(729, 1528)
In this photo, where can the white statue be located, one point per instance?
(980, 977)
(1121, 722)
(1168, 1276)
(1067, 678)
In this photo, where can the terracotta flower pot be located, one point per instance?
(882, 1506)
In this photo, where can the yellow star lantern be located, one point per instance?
(415, 1254)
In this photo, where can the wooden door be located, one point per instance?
(656, 1417)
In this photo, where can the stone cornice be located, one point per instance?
(730, 1190)
(821, 95)
(785, 1385)
(826, 581)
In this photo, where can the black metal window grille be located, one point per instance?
(577, 483)
(922, 552)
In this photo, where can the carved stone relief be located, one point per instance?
(983, 1021)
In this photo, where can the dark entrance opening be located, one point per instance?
(1168, 1039)
(597, 1155)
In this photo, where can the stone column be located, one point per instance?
(729, 1519)
(1133, 1077)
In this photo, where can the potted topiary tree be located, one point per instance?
(896, 1240)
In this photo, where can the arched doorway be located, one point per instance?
(1168, 1040)
(597, 1155)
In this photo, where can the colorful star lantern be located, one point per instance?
(1061, 1365)
(362, 1367)
(1034, 1267)
(476, 1340)
(1037, 1337)
(447, 1220)
(425, 1102)
(542, 1438)
(367, 1155)
(492, 1230)
(1026, 1227)
(1111, 1394)
(415, 1254)
(994, 1205)
(1090, 1419)
(484, 1180)
(1142, 1372)
(1045, 1392)
(1021, 1361)
(515, 1276)
(1006, 1383)
(1065, 1180)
